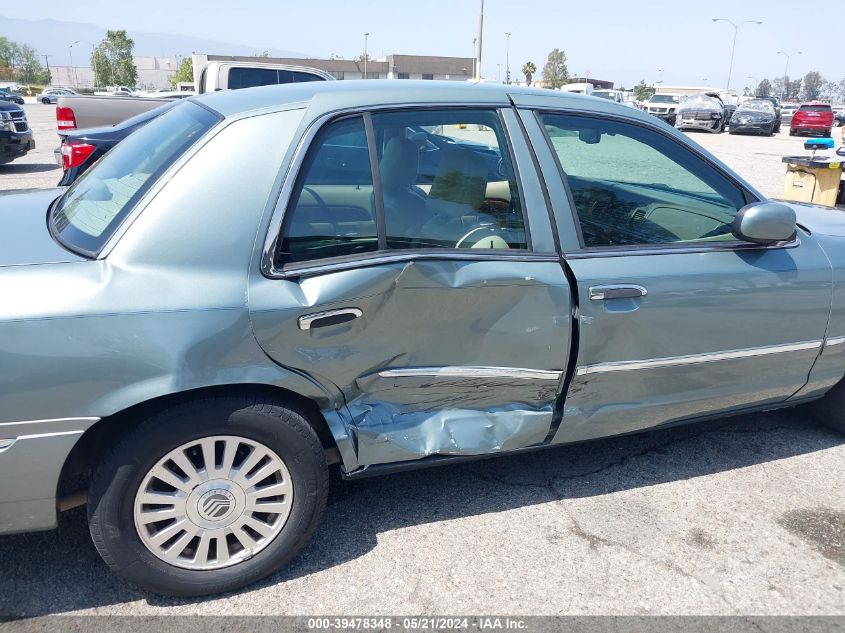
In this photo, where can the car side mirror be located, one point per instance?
(765, 222)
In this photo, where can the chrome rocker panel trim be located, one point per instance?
(692, 359)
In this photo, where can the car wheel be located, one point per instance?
(45, 101)
(209, 496)
(791, 132)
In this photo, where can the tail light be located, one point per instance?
(65, 118)
(74, 153)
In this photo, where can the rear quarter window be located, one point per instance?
(90, 211)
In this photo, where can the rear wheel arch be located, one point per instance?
(94, 444)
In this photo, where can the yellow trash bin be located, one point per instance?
(814, 180)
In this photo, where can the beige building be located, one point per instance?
(154, 72)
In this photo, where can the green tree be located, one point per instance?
(813, 85)
(528, 69)
(8, 56)
(112, 60)
(642, 91)
(555, 72)
(264, 53)
(185, 72)
(764, 89)
(28, 69)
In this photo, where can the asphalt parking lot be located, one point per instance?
(741, 516)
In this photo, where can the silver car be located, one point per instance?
(262, 284)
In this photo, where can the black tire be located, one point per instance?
(281, 427)
(830, 410)
(45, 101)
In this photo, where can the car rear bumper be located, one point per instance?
(809, 126)
(32, 455)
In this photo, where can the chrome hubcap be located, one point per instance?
(213, 502)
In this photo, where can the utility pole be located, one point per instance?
(366, 36)
(508, 58)
(733, 46)
(480, 38)
(474, 55)
(47, 63)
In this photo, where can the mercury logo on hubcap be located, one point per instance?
(216, 504)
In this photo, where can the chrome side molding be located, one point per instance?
(692, 359)
(834, 340)
(471, 372)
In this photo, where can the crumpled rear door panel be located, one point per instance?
(447, 357)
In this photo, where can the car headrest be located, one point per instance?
(399, 163)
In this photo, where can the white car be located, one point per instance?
(51, 95)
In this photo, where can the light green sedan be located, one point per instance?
(263, 284)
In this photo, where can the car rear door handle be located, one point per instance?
(329, 317)
(616, 291)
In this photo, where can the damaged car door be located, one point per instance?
(441, 321)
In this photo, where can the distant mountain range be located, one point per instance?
(52, 37)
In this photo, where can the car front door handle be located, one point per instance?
(329, 317)
(617, 291)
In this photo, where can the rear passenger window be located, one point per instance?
(332, 211)
(446, 182)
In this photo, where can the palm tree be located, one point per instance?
(528, 70)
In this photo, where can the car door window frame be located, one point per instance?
(646, 249)
(383, 255)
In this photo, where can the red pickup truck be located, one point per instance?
(812, 118)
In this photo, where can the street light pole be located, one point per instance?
(93, 60)
(366, 36)
(733, 46)
(474, 55)
(480, 41)
(786, 71)
(70, 54)
(508, 58)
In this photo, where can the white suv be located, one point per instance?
(664, 106)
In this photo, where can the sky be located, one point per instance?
(619, 40)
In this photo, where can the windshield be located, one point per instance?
(702, 101)
(604, 94)
(664, 99)
(758, 106)
(94, 206)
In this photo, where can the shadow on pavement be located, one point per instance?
(59, 571)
